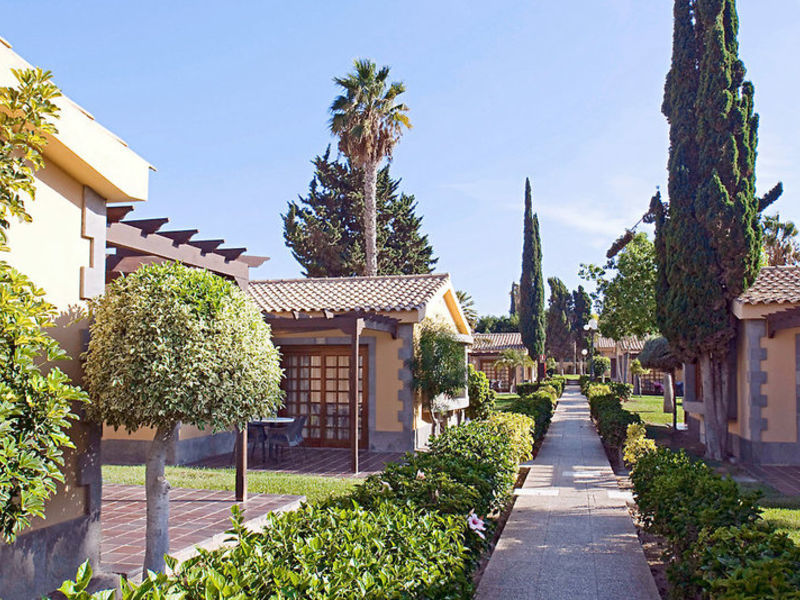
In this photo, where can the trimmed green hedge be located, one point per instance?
(718, 546)
(416, 530)
(555, 383)
(606, 409)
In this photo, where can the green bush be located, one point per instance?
(601, 365)
(481, 396)
(685, 501)
(557, 382)
(752, 562)
(538, 405)
(583, 383)
(622, 390)
(637, 444)
(527, 388)
(389, 551)
(403, 533)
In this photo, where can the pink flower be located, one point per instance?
(476, 524)
(420, 475)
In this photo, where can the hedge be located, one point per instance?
(416, 530)
(556, 383)
(717, 544)
(605, 406)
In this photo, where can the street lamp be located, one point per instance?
(590, 328)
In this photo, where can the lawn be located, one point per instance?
(313, 487)
(650, 409)
(505, 400)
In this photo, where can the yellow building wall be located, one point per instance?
(51, 251)
(781, 387)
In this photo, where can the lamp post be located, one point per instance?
(584, 352)
(590, 328)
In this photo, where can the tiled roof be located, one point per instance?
(625, 345)
(497, 342)
(604, 343)
(375, 294)
(774, 285)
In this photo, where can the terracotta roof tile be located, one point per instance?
(376, 294)
(604, 343)
(774, 285)
(497, 342)
(625, 345)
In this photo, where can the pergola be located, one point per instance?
(351, 324)
(141, 241)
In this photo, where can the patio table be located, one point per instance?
(270, 422)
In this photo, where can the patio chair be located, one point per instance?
(290, 436)
(256, 435)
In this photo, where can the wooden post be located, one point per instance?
(241, 464)
(358, 325)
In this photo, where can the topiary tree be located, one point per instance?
(531, 284)
(600, 366)
(439, 366)
(35, 402)
(481, 396)
(637, 370)
(170, 344)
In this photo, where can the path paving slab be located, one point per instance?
(570, 534)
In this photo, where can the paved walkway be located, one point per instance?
(196, 518)
(569, 534)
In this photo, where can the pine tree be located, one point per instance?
(531, 284)
(324, 230)
(558, 333)
(708, 238)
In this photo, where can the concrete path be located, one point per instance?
(569, 534)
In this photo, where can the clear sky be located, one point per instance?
(229, 101)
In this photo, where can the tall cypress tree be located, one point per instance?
(558, 332)
(531, 284)
(580, 316)
(708, 238)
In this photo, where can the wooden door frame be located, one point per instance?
(324, 350)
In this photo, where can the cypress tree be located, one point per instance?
(531, 284)
(708, 238)
(325, 229)
(581, 315)
(558, 332)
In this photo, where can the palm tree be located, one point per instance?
(512, 359)
(780, 241)
(369, 122)
(468, 307)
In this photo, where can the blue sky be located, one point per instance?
(229, 101)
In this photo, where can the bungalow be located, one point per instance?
(764, 407)
(488, 350)
(622, 353)
(319, 322)
(63, 251)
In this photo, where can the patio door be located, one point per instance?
(317, 385)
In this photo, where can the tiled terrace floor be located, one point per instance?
(332, 462)
(196, 517)
(784, 479)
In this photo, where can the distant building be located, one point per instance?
(488, 349)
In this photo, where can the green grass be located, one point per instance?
(650, 408)
(313, 487)
(780, 510)
(504, 401)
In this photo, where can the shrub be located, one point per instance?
(622, 390)
(527, 388)
(538, 405)
(637, 444)
(583, 383)
(557, 382)
(752, 562)
(679, 499)
(485, 443)
(600, 366)
(520, 430)
(390, 551)
(481, 396)
(613, 423)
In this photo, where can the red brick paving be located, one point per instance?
(331, 462)
(785, 479)
(195, 517)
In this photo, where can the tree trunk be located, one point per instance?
(157, 490)
(669, 396)
(715, 375)
(637, 385)
(370, 218)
